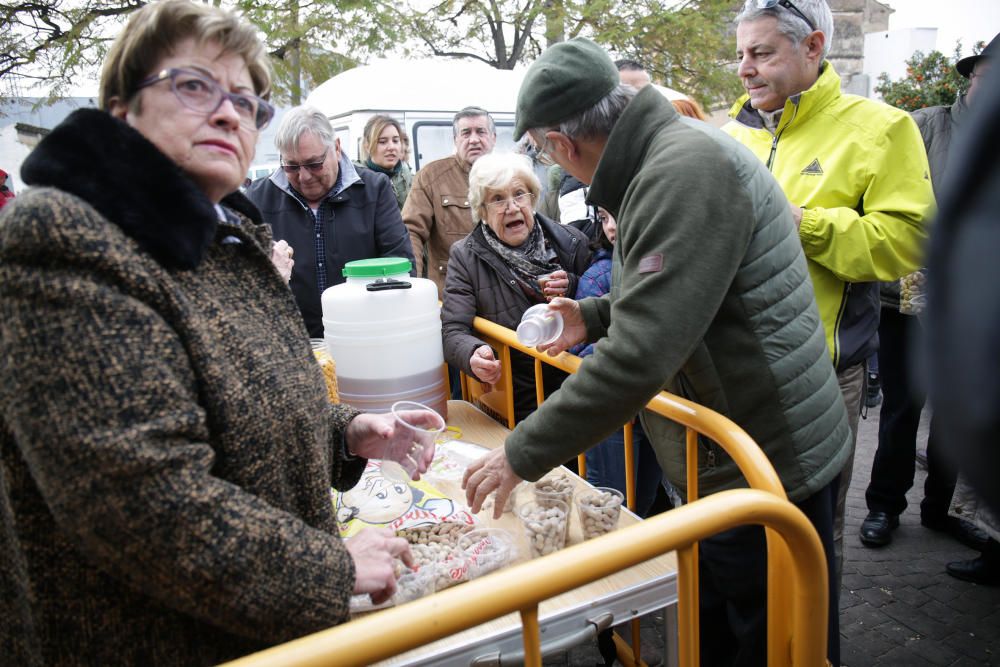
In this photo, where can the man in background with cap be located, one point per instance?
(964, 312)
(893, 465)
(710, 299)
(633, 73)
(855, 174)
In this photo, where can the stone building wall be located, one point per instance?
(851, 20)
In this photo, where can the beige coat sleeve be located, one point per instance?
(418, 216)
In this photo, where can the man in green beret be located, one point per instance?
(710, 300)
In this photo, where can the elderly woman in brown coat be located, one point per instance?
(167, 445)
(494, 272)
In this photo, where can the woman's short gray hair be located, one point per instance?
(298, 121)
(791, 24)
(494, 171)
(598, 120)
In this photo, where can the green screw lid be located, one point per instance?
(376, 267)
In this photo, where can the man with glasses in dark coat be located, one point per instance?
(329, 211)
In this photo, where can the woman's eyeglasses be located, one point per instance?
(520, 200)
(313, 167)
(200, 93)
(787, 4)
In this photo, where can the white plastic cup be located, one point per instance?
(599, 509)
(539, 325)
(423, 425)
(545, 527)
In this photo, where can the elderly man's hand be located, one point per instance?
(376, 553)
(556, 285)
(492, 472)
(574, 331)
(485, 365)
(380, 436)
(796, 214)
(281, 257)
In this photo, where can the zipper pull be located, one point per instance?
(710, 458)
(774, 147)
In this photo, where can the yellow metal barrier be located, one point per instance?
(752, 462)
(797, 588)
(522, 587)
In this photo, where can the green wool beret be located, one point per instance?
(569, 77)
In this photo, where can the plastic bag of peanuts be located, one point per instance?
(328, 367)
(912, 289)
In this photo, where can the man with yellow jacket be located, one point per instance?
(855, 173)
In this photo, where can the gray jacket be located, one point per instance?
(937, 127)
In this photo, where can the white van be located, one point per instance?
(424, 96)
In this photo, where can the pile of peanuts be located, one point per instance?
(414, 585)
(558, 485)
(599, 512)
(437, 546)
(545, 528)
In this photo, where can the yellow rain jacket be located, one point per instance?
(859, 170)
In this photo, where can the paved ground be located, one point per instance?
(898, 606)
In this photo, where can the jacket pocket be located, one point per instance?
(708, 452)
(457, 214)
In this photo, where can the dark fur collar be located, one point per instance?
(129, 181)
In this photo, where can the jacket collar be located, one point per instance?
(463, 166)
(346, 177)
(647, 113)
(958, 109)
(798, 108)
(119, 172)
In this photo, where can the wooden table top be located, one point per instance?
(478, 428)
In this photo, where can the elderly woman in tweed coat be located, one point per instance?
(166, 445)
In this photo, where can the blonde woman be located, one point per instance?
(385, 148)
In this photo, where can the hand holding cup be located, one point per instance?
(411, 448)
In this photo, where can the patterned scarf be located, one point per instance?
(529, 260)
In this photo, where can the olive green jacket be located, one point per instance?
(710, 299)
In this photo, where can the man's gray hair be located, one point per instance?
(472, 112)
(598, 120)
(297, 122)
(791, 24)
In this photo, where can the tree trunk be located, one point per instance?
(555, 24)
(295, 56)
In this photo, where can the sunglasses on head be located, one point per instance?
(787, 4)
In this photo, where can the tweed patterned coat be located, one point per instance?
(167, 448)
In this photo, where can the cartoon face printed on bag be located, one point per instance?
(375, 499)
